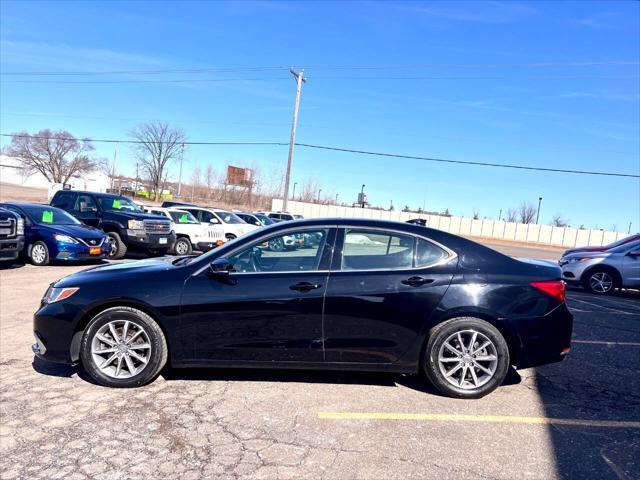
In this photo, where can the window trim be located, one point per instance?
(342, 232)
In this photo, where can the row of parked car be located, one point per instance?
(80, 226)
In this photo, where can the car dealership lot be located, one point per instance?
(579, 418)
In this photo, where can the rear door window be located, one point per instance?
(428, 253)
(376, 250)
(85, 203)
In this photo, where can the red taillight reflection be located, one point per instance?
(555, 288)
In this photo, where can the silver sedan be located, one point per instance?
(602, 272)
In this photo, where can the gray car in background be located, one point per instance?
(602, 272)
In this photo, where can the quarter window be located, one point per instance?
(291, 252)
(427, 253)
(368, 250)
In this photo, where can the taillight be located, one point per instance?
(554, 288)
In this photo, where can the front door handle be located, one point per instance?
(417, 281)
(305, 286)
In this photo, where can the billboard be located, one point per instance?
(239, 176)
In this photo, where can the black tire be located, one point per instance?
(39, 254)
(466, 325)
(182, 246)
(157, 357)
(601, 281)
(117, 248)
(230, 236)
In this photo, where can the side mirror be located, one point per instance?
(220, 269)
(214, 220)
(634, 253)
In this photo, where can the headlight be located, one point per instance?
(136, 225)
(56, 294)
(576, 260)
(64, 238)
(20, 227)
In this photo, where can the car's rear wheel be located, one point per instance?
(600, 281)
(230, 236)
(123, 347)
(276, 244)
(466, 357)
(39, 254)
(117, 248)
(182, 247)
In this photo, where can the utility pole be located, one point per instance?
(319, 192)
(629, 231)
(113, 170)
(137, 186)
(538, 212)
(337, 198)
(299, 80)
(293, 197)
(500, 215)
(180, 174)
(362, 195)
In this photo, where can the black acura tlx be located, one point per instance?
(364, 295)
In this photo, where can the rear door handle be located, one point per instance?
(305, 286)
(417, 281)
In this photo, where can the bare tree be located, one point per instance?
(527, 212)
(196, 181)
(309, 191)
(558, 221)
(108, 168)
(476, 214)
(209, 179)
(511, 215)
(158, 145)
(58, 156)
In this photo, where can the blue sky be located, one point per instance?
(550, 84)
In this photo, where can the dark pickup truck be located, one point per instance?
(11, 235)
(124, 222)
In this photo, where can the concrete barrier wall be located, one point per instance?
(529, 233)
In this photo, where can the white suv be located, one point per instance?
(232, 224)
(190, 233)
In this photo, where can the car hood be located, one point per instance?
(76, 231)
(138, 267)
(583, 249)
(603, 254)
(138, 216)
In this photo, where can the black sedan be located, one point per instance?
(368, 295)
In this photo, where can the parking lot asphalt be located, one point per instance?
(576, 419)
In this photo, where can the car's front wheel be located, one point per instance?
(123, 347)
(117, 248)
(182, 247)
(466, 357)
(600, 281)
(39, 254)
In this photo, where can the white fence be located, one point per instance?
(509, 231)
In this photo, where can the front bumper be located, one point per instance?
(10, 248)
(75, 252)
(53, 326)
(149, 241)
(542, 340)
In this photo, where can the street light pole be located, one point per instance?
(336, 198)
(292, 141)
(293, 197)
(538, 213)
(362, 195)
(180, 174)
(319, 192)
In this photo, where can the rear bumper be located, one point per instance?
(206, 246)
(543, 340)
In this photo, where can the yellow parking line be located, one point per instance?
(441, 417)
(604, 342)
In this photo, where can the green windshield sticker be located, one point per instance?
(47, 216)
(116, 204)
(183, 218)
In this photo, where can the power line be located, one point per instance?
(572, 64)
(364, 152)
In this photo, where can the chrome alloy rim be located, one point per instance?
(468, 359)
(113, 246)
(38, 253)
(121, 349)
(601, 282)
(182, 247)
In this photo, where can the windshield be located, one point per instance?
(183, 217)
(228, 217)
(46, 215)
(263, 219)
(627, 247)
(622, 241)
(119, 203)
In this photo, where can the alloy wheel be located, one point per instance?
(38, 253)
(601, 282)
(121, 349)
(181, 247)
(113, 246)
(468, 359)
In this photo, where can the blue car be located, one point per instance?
(52, 234)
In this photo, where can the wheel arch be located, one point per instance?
(617, 276)
(94, 310)
(513, 342)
